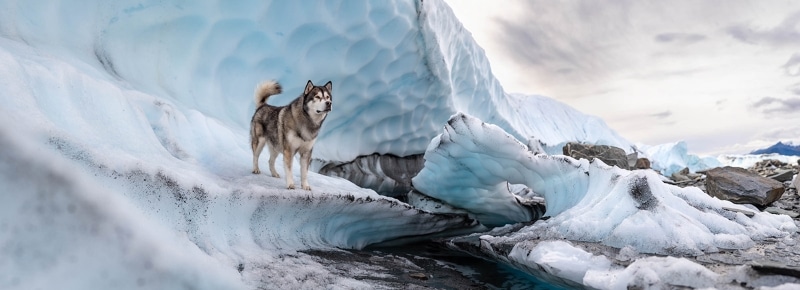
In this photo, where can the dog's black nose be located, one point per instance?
(328, 105)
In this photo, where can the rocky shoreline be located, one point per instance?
(787, 203)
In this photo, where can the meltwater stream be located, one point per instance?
(425, 265)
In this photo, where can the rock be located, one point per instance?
(776, 210)
(642, 163)
(744, 212)
(683, 176)
(678, 177)
(613, 156)
(782, 175)
(797, 182)
(739, 185)
(420, 276)
(770, 267)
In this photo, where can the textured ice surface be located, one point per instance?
(399, 68)
(55, 220)
(387, 174)
(471, 162)
(160, 227)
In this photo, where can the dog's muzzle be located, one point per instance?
(327, 108)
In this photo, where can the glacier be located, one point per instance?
(125, 145)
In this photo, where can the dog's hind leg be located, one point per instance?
(305, 159)
(258, 146)
(288, 153)
(273, 154)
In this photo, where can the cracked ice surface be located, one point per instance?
(469, 164)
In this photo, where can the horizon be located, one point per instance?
(722, 76)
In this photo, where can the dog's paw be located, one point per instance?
(306, 187)
(290, 186)
(256, 171)
(276, 175)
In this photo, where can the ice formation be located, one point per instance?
(748, 160)
(672, 157)
(470, 163)
(563, 260)
(399, 68)
(150, 226)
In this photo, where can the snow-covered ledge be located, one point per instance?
(471, 162)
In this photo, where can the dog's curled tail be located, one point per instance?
(266, 89)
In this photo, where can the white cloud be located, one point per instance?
(705, 62)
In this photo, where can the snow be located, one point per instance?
(470, 164)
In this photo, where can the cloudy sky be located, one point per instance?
(723, 75)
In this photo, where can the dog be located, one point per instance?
(288, 129)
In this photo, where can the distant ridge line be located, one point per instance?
(780, 148)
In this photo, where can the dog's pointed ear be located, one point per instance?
(309, 86)
(329, 86)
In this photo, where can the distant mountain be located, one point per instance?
(780, 148)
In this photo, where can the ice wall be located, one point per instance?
(399, 68)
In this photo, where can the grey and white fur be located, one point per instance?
(288, 129)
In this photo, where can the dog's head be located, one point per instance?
(318, 99)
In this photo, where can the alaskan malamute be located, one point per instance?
(288, 129)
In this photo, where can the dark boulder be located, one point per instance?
(782, 175)
(642, 163)
(613, 156)
(739, 185)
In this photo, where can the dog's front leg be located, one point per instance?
(305, 159)
(288, 155)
